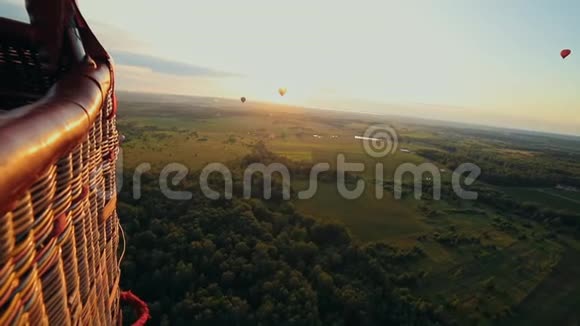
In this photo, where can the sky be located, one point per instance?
(492, 62)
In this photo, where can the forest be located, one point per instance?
(248, 262)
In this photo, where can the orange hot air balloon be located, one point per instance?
(564, 53)
(243, 99)
(282, 91)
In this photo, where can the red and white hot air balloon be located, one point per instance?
(564, 53)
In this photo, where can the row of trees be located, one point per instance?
(541, 171)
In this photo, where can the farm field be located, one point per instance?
(489, 261)
(557, 199)
(368, 218)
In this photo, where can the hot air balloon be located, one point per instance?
(282, 91)
(564, 53)
(243, 99)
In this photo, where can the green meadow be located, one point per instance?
(483, 263)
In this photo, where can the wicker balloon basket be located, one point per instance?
(59, 231)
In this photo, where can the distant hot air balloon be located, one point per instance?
(243, 99)
(564, 53)
(282, 91)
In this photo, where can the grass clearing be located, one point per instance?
(368, 218)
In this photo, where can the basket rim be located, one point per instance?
(36, 135)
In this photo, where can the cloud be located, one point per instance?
(140, 79)
(114, 38)
(124, 47)
(165, 66)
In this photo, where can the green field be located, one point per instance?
(480, 262)
(550, 197)
(368, 218)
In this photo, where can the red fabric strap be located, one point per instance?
(139, 305)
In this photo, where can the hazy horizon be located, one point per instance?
(417, 119)
(489, 63)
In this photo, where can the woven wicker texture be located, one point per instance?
(58, 250)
